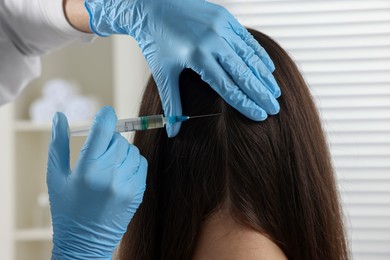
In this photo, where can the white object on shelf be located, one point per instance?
(56, 95)
(80, 109)
(60, 90)
(42, 110)
(61, 95)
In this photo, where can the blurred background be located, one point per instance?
(343, 50)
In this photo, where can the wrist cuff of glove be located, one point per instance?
(97, 19)
(59, 254)
(77, 240)
(106, 19)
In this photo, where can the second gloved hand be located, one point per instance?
(92, 205)
(178, 34)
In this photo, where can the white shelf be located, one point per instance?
(34, 234)
(122, 73)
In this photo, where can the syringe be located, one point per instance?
(137, 124)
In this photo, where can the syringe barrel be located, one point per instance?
(140, 123)
(130, 124)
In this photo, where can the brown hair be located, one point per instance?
(276, 176)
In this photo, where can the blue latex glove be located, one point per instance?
(178, 34)
(92, 205)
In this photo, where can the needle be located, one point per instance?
(200, 116)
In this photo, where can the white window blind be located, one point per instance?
(343, 50)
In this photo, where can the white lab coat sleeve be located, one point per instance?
(28, 30)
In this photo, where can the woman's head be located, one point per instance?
(273, 176)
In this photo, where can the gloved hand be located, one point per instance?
(92, 205)
(178, 34)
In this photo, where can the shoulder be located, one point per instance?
(223, 238)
